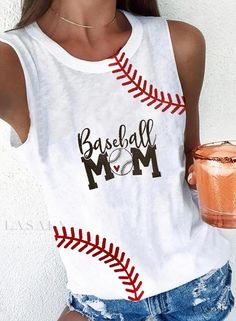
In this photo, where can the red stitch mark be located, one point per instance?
(117, 167)
(110, 256)
(153, 95)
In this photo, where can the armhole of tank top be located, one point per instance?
(15, 143)
(172, 53)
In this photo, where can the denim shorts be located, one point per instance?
(208, 297)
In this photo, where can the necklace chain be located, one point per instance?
(77, 24)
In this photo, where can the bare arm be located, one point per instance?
(7, 73)
(189, 47)
(13, 100)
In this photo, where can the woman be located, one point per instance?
(103, 95)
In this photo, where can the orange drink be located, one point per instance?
(215, 168)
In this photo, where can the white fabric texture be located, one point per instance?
(106, 142)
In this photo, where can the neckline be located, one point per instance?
(87, 66)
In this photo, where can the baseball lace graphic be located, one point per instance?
(108, 253)
(151, 95)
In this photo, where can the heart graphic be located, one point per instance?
(117, 167)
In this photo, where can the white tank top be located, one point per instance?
(106, 142)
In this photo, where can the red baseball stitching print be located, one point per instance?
(153, 95)
(110, 256)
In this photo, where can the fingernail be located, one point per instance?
(190, 177)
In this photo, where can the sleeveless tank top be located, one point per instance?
(106, 143)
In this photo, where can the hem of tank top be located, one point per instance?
(219, 265)
(97, 67)
(29, 96)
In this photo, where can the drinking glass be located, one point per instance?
(215, 168)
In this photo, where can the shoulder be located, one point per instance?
(7, 54)
(186, 34)
(189, 49)
(188, 41)
(11, 41)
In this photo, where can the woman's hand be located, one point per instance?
(192, 175)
